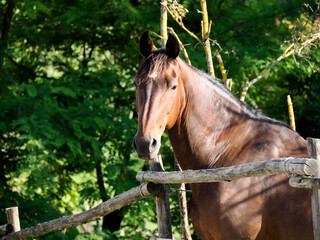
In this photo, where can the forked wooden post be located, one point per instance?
(314, 152)
(162, 203)
(13, 218)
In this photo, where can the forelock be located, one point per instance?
(153, 65)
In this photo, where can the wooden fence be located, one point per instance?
(304, 173)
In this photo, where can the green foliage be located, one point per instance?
(67, 100)
(32, 212)
(252, 35)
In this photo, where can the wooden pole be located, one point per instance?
(163, 23)
(119, 201)
(13, 218)
(313, 146)
(183, 207)
(205, 25)
(162, 198)
(162, 203)
(223, 70)
(300, 166)
(291, 113)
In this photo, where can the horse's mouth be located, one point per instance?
(147, 150)
(148, 156)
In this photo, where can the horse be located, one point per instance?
(208, 127)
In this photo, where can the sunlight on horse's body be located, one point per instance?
(209, 128)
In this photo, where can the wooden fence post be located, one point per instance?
(162, 198)
(13, 218)
(182, 196)
(162, 203)
(314, 152)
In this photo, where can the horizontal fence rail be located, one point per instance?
(302, 182)
(305, 172)
(289, 165)
(119, 201)
(5, 229)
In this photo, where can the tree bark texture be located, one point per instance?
(119, 201)
(113, 220)
(314, 152)
(299, 166)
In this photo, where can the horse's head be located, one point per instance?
(158, 90)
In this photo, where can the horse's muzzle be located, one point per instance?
(146, 148)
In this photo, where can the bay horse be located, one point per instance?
(210, 128)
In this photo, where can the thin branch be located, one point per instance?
(25, 69)
(244, 90)
(293, 48)
(222, 69)
(178, 19)
(185, 53)
(299, 42)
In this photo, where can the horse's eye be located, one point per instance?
(174, 87)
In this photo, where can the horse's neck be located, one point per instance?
(209, 111)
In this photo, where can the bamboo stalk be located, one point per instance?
(227, 82)
(221, 65)
(163, 22)
(291, 113)
(205, 36)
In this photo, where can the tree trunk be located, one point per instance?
(6, 23)
(113, 220)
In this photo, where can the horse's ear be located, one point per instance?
(146, 44)
(172, 46)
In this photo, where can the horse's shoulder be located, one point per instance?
(281, 141)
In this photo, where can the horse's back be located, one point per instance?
(259, 207)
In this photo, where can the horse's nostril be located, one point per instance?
(145, 147)
(134, 144)
(154, 142)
